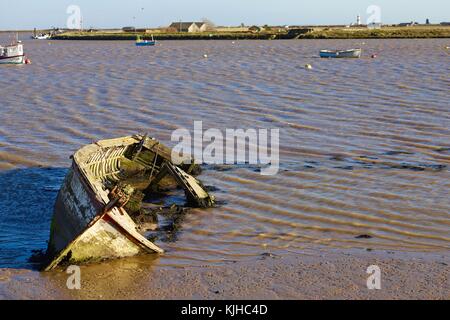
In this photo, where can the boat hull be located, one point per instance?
(145, 43)
(341, 54)
(13, 60)
(45, 37)
(12, 54)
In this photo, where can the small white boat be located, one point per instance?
(41, 36)
(351, 53)
(12, 54)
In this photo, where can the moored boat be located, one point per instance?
(351, 53)
(12, 54)
(90, 222)
(42, 36)
(145, 43)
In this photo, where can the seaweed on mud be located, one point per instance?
(161, 220)
(394, 152)
(196, 170)
(220, 203)
(345, 167)
(371, 162)
(170, 220)
(312, 162)
(38, 258)
(364, 236)
(368, 157)
(419, 167)
(211, 188)
(442, 149)
(223, 167)
(157, 209)
(337, 157)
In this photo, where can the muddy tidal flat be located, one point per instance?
(364, 173)
(308, 275)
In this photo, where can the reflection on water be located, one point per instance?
(364, 143)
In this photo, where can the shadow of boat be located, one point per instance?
(27, 198)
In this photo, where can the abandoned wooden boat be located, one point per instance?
(351, 53)
(145, 43)
(12, 54)
(90, 221)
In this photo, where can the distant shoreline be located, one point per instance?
(414, 32)
(314, 32)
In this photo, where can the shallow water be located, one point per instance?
(364, 143)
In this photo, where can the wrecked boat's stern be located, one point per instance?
(83, 228)
(78, 234)
(74, 210)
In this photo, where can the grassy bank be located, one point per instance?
(383, 33)
(316, 33)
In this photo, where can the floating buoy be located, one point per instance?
(373, 56)
(205, 56)
(308, 66)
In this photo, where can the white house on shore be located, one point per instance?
(190, 26)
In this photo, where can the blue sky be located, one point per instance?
(27, 14)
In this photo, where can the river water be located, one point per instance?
(364, 144)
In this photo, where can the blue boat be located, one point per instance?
(352, 53)
(145, 43)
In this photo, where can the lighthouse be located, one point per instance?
(358, 20)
